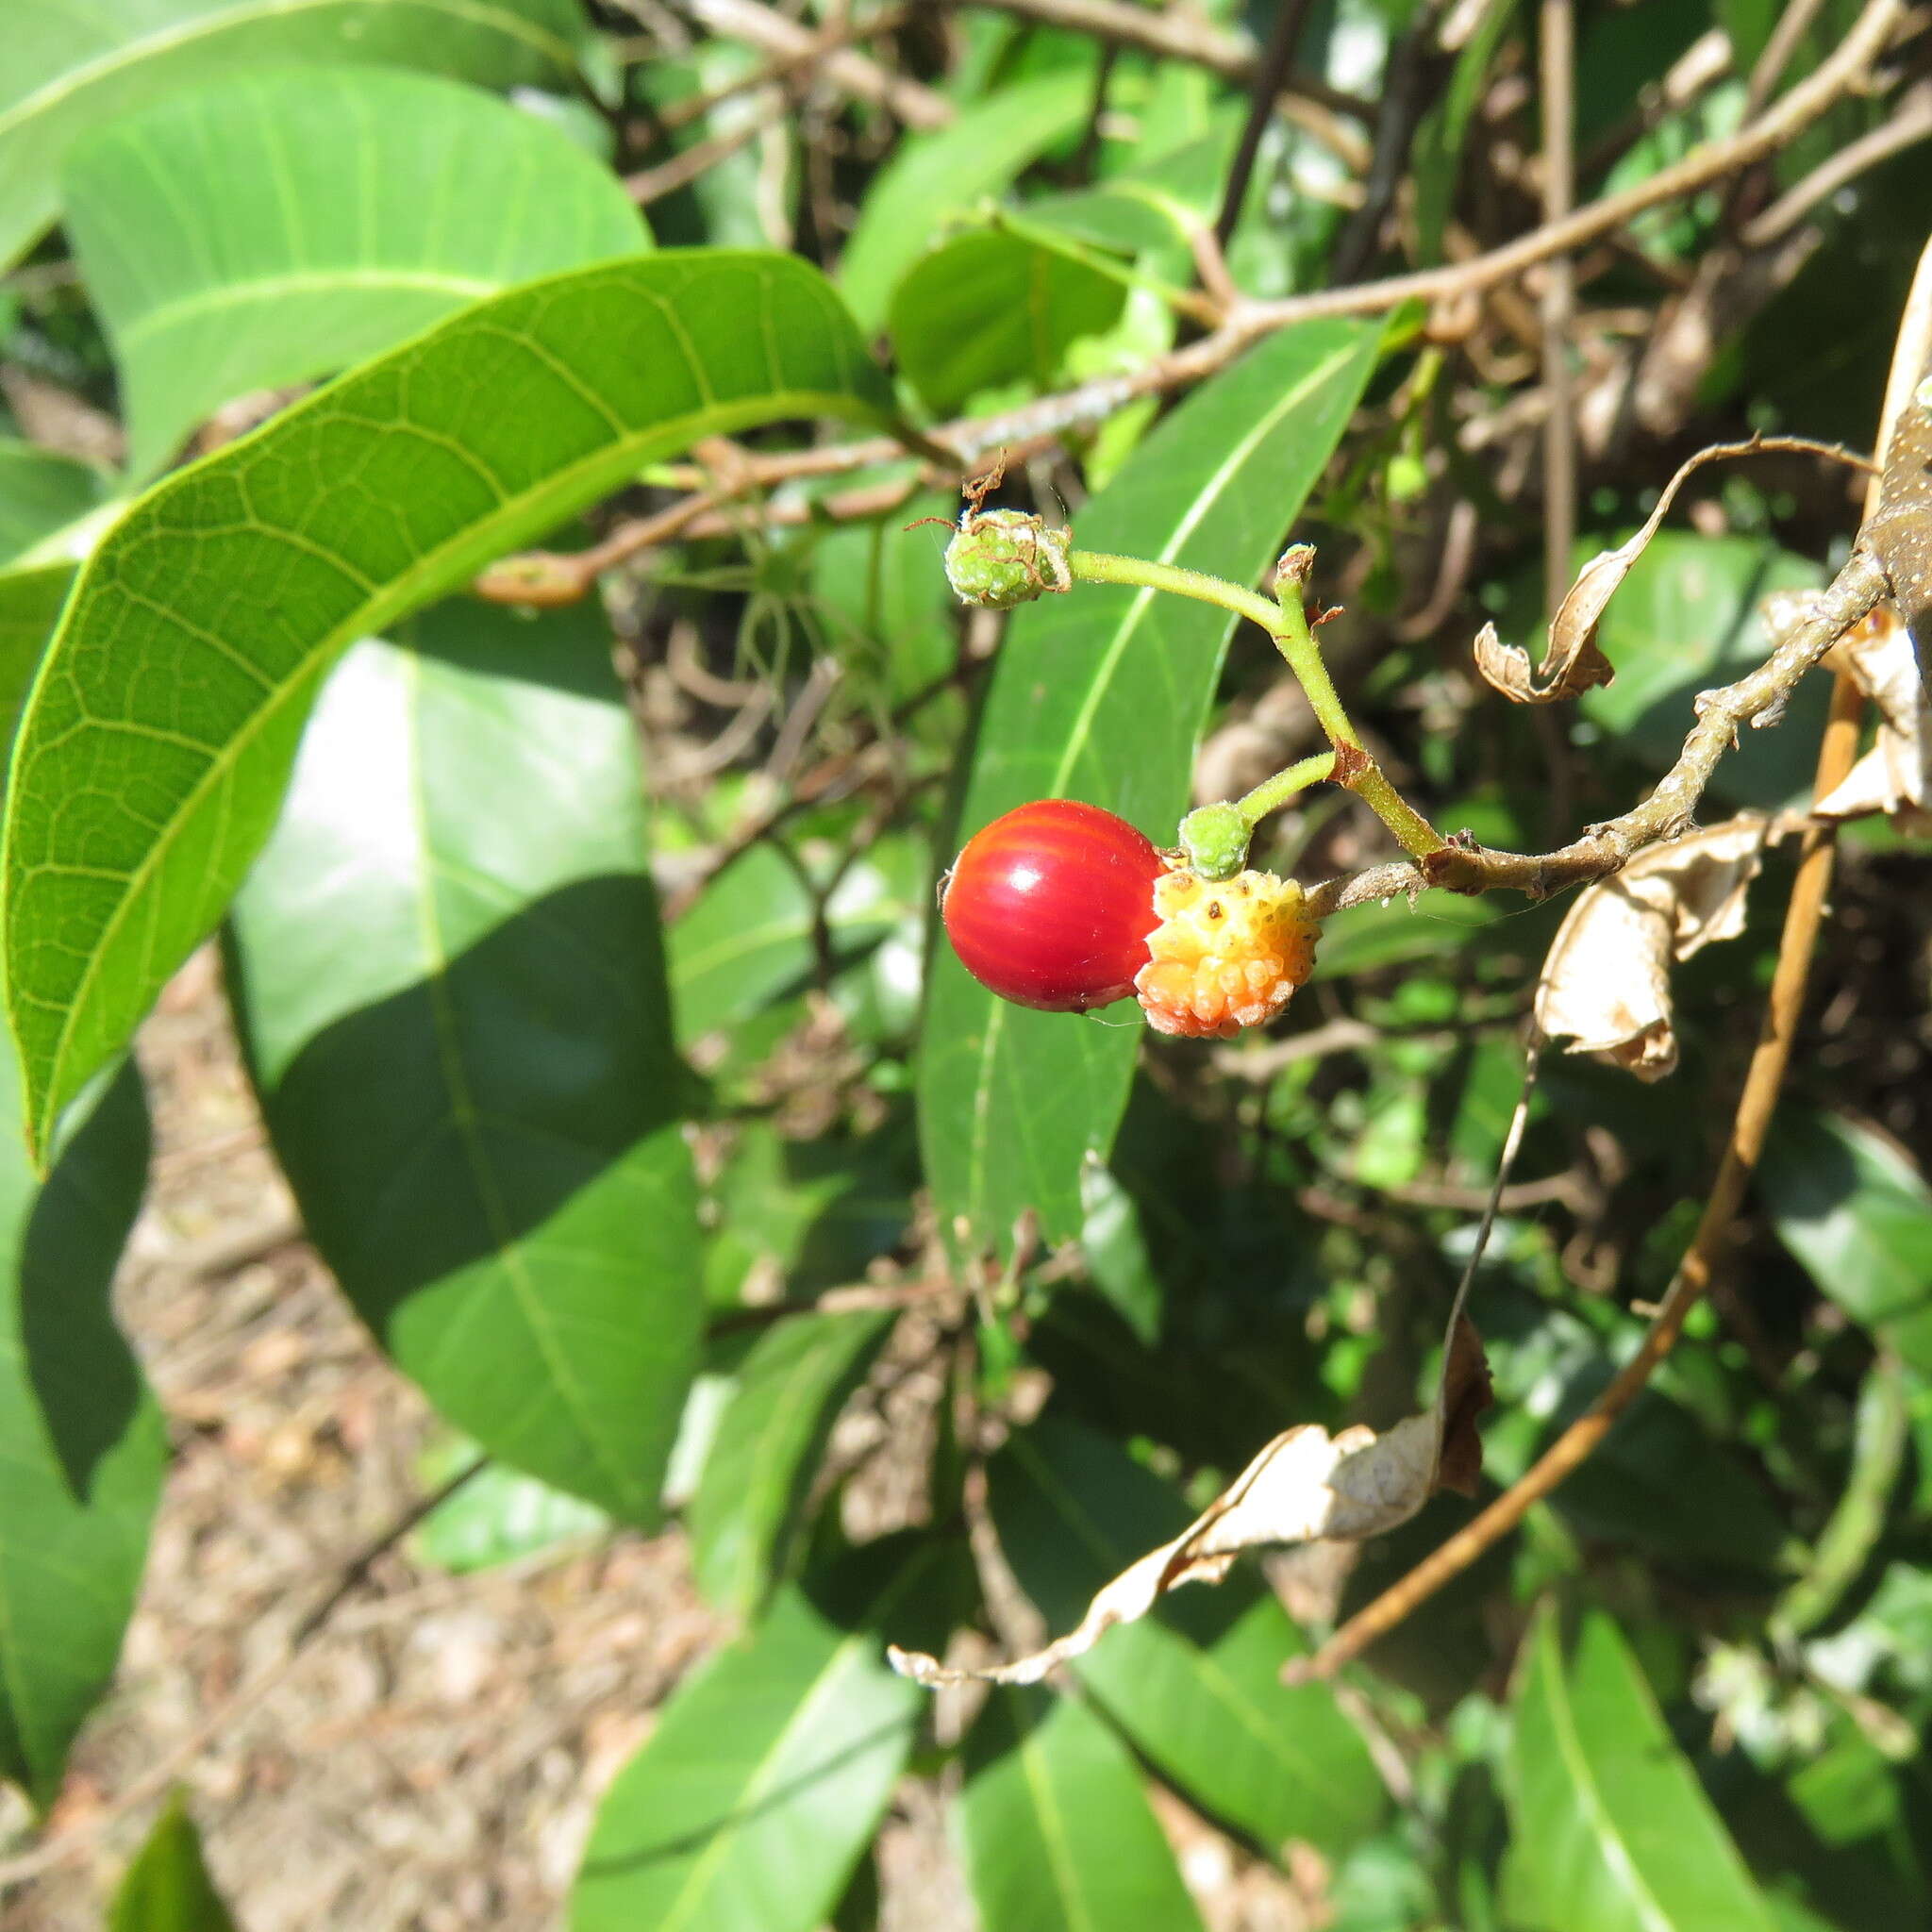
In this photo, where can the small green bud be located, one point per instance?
(1001, 558)
(1215, 838)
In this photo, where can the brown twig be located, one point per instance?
(830, 40)
(667, 177)
(1271, 75)
(847, 70)
(1910, 121)
(1759, 696)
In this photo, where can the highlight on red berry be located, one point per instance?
(1050, 906)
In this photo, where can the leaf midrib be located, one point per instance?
(1610, 1838)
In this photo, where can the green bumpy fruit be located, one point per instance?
(1003, 557)
(1215, 838)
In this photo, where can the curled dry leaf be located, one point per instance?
(1899, 532)
(1573, 663)
(1305, 1485)
(1895, 775)
(1605, 986)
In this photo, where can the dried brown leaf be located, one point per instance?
(1900, 530)
(1605, 986)
(1895, 775)
(1303, 1486)
(1572, 663)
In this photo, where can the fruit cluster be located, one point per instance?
(1064, 907)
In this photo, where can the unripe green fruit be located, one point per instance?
(1215, 838)
(1001, 558)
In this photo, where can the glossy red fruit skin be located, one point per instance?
(1051, 905)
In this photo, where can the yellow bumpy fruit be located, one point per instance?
(1224, 956)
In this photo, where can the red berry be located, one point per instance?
(1050, 905)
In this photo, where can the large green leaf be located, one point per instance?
(990, 308)
(282, 226)
(1056, 1831)
(167, 1887)
(745, 1516)
(71, 68)
(937, 175)
(82, 1444)
(751, 1801)
(1197, 1687)
(158, 735)
(1101, 695)
(449, 971)
(1611, 1830)
(1857, 1214)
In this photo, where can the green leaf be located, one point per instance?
(1196, 1686)
(1612, 1831)
(72, 68)
(498, 1516)
(749, 939)
(278, 227)
(1857, 1215)
(172, 695)
(751, 1801)
(934, 177)
(82, 1443)
(39, 494)
(48, 504)
(167, 1887)
(895, 620)
(30, 601)
(1101, 695)
(746, 1518)
(1056, 1829)
(1115, 1248)
(813, 1212)
(449, 973)
(990, 308)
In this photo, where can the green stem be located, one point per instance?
(1271, 793)
(1361, 772)
(1098, 567)
(1287, 622)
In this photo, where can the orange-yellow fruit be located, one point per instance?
(1223, 957)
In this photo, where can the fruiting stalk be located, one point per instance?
(1270, 795)
(1287, 622)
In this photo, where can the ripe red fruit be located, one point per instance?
(1051, 905)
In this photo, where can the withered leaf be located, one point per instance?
(1895, 775)
(1605, 986)
(1305, 1485)
(1572, 663)
(1899, 532)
